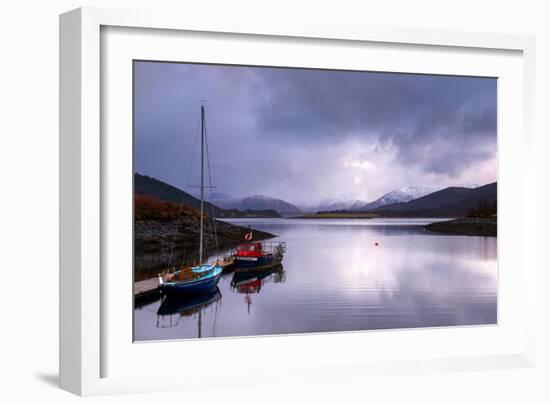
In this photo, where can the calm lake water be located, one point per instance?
(334, 278)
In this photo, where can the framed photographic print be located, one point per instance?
(332, 204)
(323, 194)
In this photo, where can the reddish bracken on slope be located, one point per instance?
(151, 208)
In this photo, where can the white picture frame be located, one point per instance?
(86, 186)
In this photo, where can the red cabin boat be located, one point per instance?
(256, 255)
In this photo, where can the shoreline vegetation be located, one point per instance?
(473, 226)
(466, 226)
(479, 222)
(166, 234)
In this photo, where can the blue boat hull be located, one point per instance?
(191, 288)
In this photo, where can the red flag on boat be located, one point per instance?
(248, 236)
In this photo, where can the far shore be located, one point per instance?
(473, 226)
(337, 215)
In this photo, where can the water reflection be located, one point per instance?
(174, 309)
(342, 275)
(250, 282)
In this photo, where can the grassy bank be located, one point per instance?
(476, 226)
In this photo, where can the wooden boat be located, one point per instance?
(191, 280)
(258, 255)
(204, 277)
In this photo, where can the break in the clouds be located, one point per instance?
(309, 135)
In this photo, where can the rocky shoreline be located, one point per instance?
(475, 226)
(160, 243)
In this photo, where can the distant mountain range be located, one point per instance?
(260, 202)
(149, 186)
(395, 196)
(448, 202)
(331, 205)
(411, 201)
(402, 195)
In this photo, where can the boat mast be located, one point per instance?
(202, 186)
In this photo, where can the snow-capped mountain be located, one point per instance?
(259, 202)
(402, 195)
(330, 205)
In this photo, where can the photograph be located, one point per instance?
(276, 200)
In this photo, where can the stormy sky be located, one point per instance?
(307, 136)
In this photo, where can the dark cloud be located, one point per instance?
(412, 111)
(283, 128)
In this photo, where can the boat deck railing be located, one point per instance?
(274, 247)
(268, 247)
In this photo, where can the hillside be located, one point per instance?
(479, 222)
(151, 208)
(477, 226)
(260, 202)
(165, 230)
(146, 185)
(449, 202)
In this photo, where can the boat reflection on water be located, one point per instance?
(175, 308)
(251, 281)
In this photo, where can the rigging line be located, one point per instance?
(182, 196)
(211, 183)
(193, 150)
(175, 234)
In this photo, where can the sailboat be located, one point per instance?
(204, 277)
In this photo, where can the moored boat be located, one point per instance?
(258, 255)
(191, 280)
(204, 277)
